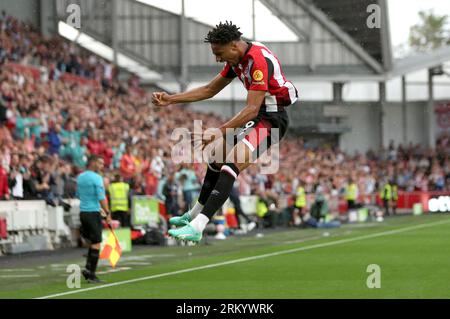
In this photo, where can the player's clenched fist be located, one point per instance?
(160, 99)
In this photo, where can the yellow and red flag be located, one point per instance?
(111, 250)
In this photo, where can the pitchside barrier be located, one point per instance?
(145, 210)
(436, 201)
(32, 225)
(418, 201)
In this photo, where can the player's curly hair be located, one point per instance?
(223, 33)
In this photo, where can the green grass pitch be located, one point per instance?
(413, 254)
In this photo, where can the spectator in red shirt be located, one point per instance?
(95, 145)
(4, 190)
(127, 165)
(151, 183)
(108, 153)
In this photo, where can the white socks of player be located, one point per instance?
(199, 222)
(194, 211)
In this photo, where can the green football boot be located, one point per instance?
(182, 220)
(187, 233)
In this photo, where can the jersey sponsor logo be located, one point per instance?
(258, 75)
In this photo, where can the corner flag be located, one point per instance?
(112, 250)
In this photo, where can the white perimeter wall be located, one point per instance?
(364, 121)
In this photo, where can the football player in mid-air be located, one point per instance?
(269, 93)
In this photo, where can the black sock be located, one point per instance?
(211, 177)
(222, 190)
(92, 260)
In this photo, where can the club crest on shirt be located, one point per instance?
(258, 75)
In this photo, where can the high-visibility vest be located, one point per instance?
(394, 193)
(118, 193)
(351, 192)
(261, 209)
(300, 201)
(386, 192)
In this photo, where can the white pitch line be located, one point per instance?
(240, 260)
(18, 276)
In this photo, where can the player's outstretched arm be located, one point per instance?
(198, 94)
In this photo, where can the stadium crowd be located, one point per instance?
(48, 127)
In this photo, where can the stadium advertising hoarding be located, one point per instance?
(442, 111)
(145, 210)
(439, 204)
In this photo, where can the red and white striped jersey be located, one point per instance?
(260, 70)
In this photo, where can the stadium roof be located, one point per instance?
(332, 42)
(338, 11)
(419, 62)
(106, 52)
(205, 12)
